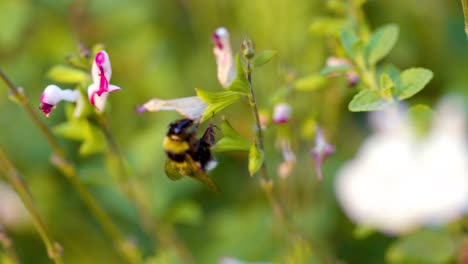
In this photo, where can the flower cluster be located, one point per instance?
(97, 92)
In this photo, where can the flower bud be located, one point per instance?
(248, 48)
(282, 113)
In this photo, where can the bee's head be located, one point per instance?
(179, 128)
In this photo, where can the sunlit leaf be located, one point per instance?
(95, 142)
(386, 87)
(367, 100)
(231, 140)
(362, 232)
(310, 83)
(263, 57)
(381, 43)
(240, 84)
(327, 25)
(423, 246)
(67, 74)
(412, 81)
(393, 73)
(255, 159)
(217, 101)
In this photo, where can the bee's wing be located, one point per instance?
(201, 175)
(174, 170)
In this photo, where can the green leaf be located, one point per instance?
(412, 81)
(386, 87)
(263, 58)
(336, 69)
(240, 84)
(231, 140)
(95, 142)
(217, 101)
(310, 83)
(367, 100)
(350, 42)
(327, 26)
(381, 43)
(255, 159)
(392, 72)
(423, 246)
(421, 117)
(66, 74)
(74, 129)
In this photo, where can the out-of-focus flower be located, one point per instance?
(398, 182)
(321, 151)
(230, 260)
(351, 76)
(100, 88)
(282, 113)
(263, 119)
(289, 159)
(12, 212)
(52, 95)
(223, 55)
(190, 107)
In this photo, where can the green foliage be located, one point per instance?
(367, 100)
(184, 212)
(92, 138)
(412, 81)
(423, 246)
(263, 58)
(336, 69)
(256, 159)
(217, 101)
(240, 84)
(231, 140)
(351, 43)
(327, 25)
(381, 43)
(310, 83)
(67, 74)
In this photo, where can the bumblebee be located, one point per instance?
(187, 155)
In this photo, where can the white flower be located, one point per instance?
(101, 87)
(398, 182)
(190, 107)
(223, 55)
(52, 95)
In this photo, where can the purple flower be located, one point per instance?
(282, 113)
(321, 151)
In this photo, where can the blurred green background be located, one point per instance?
(163, 49)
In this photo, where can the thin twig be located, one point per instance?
(266, 182)
(124, 247)
(7, 244)
(54, 250)
(465, 14)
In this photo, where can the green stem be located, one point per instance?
(54, 250)
(168, 239)
(8, 246)
(465, 14)
(266, 182)
(124, 248)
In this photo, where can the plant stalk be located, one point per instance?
(54, 250)
(127, 250)
(7, 244)
(266, 182)
(465, 14)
